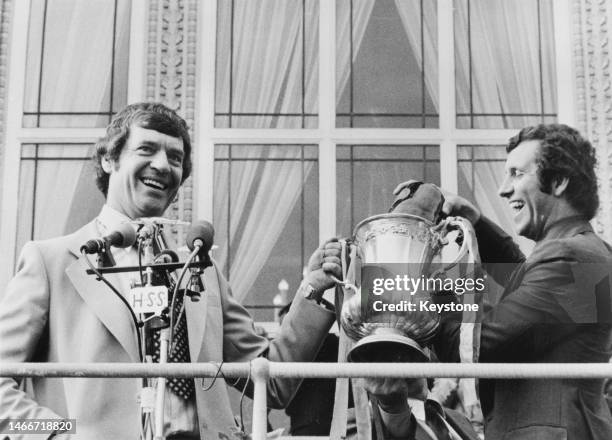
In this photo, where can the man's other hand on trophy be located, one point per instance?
(454, 205)
(324, 268)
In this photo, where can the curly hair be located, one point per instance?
(150, 115)
(564, 153)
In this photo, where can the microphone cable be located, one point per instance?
(175, 294)
(123, 300)
(246, 384)
(140, 271)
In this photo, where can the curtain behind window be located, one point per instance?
(505, 38)
(266, 78)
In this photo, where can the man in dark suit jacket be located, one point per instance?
(52, 311)
(556, 302)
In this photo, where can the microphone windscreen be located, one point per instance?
(124, 236)
(202, 230)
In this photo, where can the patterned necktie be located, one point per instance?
(435, 420)
(179, 346)
(182, 387)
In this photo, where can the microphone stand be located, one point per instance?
(149, 400)
(154, 389)
(152, 396)
(164, 342)
(166, 331)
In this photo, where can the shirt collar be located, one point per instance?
(417, 407)
(567, 227)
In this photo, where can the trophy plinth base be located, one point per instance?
(386, 345)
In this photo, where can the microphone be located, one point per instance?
(201, 234)
(148, 230)
(124, 236)
(147, 234)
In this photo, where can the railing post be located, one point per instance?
(260, 372)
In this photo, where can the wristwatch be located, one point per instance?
(312, 294)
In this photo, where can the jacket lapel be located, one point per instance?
(101, 300)
(517, 275)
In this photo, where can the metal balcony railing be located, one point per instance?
(260, 370)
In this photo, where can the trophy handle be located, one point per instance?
(345, 284)
(456, 223)
(344, 263)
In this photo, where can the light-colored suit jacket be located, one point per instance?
(52, 311)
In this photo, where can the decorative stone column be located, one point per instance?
(592, 34)
(171, 68)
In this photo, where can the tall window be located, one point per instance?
(265, 196)
(420, 89)
(267, 64)
(266, 217)
(386, 64)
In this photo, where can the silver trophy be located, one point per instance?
(396, 245)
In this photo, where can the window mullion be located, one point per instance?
(12, 147)
(562, 20)
(327, 119)
(59, 135)
(137, 60)
(204, 125)
(484, 136)
(446, 61)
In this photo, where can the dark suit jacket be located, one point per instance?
(52, 311)
(552, 310)
(308, 419)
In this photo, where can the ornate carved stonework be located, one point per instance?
(171, 66)
(5, 29)
(592, 32)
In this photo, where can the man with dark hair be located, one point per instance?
(52, 311)
(148, 115)
(553, 308)
(563, 153)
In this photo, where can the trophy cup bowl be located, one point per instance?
(390, 246)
